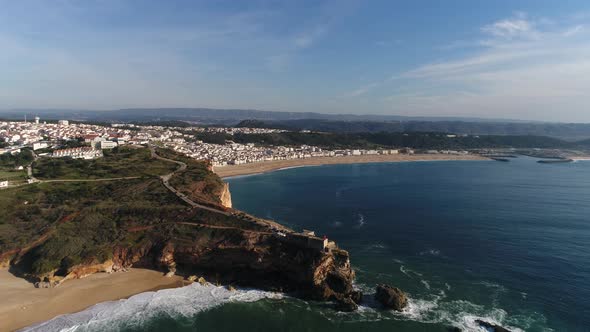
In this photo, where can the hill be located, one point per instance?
(85, 216)
(341, 123)
(567, 131)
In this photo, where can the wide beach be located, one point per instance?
(267, 166)
(23, 305)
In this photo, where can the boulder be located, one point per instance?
(346, 305)
(202, 281)
(192, 278)
(357, 296)
(490, 326)
(391, 297)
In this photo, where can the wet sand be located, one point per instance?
(267, 166)
(22, 304)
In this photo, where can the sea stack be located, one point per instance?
(391, 297)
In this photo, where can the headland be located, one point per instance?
(153, 209)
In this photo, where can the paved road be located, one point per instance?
(166, 182)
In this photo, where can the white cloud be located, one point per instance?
(511, 28)
(573, 31)
(362, 90)
(522, 72)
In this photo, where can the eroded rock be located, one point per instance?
(346, 305)
(391, 297)
(490, 326)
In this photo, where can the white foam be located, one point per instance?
(409, 272)
(461, 314)
(361, 220)
(115, 315)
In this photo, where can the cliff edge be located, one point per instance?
(58, 231)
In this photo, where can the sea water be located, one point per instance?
(508, 243)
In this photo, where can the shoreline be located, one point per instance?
(230, 171)
(24, 305)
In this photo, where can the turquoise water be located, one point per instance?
(506, 242)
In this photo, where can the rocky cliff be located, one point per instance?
(254, 259)
(90, 227)
(225, 196)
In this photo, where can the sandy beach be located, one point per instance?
(23, 305)
(267, 166)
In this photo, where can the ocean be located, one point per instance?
(504, 242)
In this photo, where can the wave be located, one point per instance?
(409, 272)
(431, 252)
(461, 314)
(299, 166)
(139, 309)
(361, 220)
(435, 308)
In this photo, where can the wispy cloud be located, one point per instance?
(362, 90)
(522, 66)
(516, 27)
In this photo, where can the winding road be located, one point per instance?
(166, 181)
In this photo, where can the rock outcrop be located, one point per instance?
(391, 297)
(214, 242)
(263, 260)
(490, 326)
(225, 196)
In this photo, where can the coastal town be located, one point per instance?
(63, 138)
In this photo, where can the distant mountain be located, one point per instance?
(568, 131)
(345, 123)
(209, 115)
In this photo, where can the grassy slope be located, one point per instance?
(76, 222)
(197, 182)
(119, 162)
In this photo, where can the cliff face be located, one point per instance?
(112, 226)
(225, 196)
(261, 260)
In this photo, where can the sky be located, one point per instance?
(527, 59)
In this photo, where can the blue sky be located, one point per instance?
(496, 59)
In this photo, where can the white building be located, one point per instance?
(107, 145)
(40, 145)
(3, 184)
(63, 122)
(78, 153)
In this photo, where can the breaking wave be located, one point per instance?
(437, 309)
(139, 309)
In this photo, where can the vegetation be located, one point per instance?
(54, 226)
(416, 140)
(9, 165)
(570, 131)
(118, 162)
(81, 221)
(197, 181)
(24, 158)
